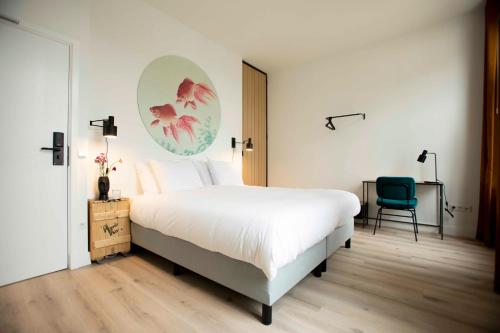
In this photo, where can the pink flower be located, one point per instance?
(100, 159)
(104, 167)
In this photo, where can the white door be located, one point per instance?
(34, 74)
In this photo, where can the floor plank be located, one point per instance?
(384, 283)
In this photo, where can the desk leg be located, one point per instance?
(363, 207)
(441, 208)
(367, 199)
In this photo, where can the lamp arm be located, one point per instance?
(435, 166)
(330, 125)
(238, 142)
(95, 121)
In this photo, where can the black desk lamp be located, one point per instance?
(422, 157)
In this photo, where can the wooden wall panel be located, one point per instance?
(255, 125)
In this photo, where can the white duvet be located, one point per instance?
(267, 227)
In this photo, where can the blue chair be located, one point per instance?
(396, 193)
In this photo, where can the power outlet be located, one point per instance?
(461, 209)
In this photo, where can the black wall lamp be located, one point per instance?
(109, 129)
(330, 125)
(422, 157)
(247, 143)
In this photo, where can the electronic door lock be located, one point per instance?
(57, 148)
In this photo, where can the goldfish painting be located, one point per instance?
(167, 117)
(190, 92)
(179, 105)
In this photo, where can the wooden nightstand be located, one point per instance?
(109, 228)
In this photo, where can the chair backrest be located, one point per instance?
(396, 188)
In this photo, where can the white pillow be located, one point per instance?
(146, 178)
(203, 172)
(224, 173)
(175, 175)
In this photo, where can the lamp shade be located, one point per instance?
(421, 158)
(109, 129)
(249, 145)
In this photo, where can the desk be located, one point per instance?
(440, 185)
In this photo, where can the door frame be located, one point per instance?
(72, 105)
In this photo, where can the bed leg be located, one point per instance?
(317, 271)
(323, 266)
(133, 248)
(348, 244)
(177, 270)
(267, 314)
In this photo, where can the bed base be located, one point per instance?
(240, 276)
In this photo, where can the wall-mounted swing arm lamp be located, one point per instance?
(246, 143)
(330, 125)
(109, 130)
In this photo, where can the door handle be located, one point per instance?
(53, 149)
(57, 148)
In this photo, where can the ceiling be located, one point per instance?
(276, 33)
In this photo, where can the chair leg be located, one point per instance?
(414, 218)
(380, 219)
(416, 221)
(376, 220)
(413, 221)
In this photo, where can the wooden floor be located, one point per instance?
(384, 283)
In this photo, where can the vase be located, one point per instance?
(103, 185)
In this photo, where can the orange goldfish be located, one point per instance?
(190, 92)
(166, 115)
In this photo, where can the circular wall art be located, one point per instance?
(178, 105)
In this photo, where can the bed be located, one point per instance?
(257, 241)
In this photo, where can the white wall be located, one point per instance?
(421, 90)
(113, 42)
(125, 37)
